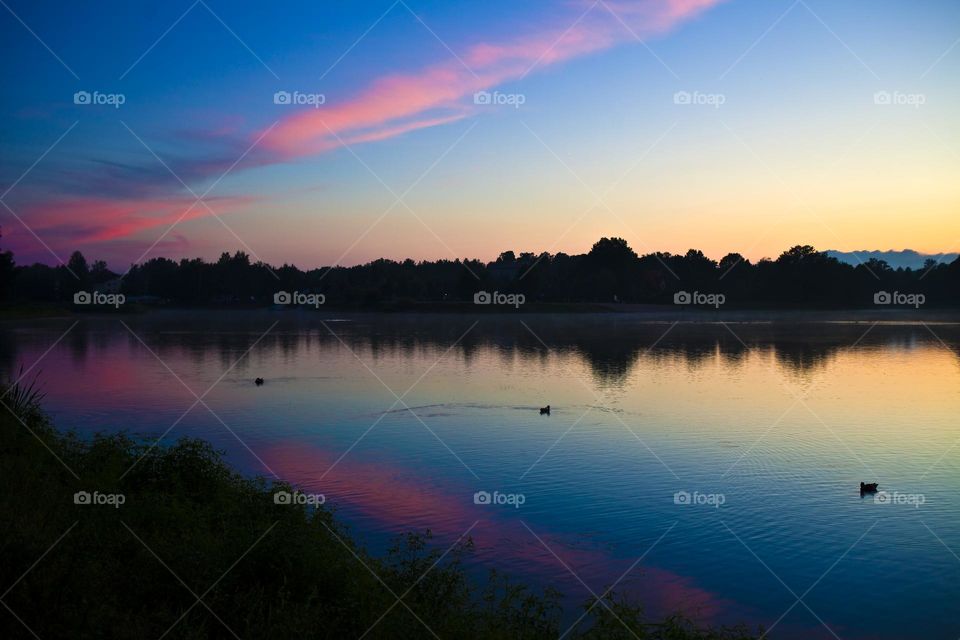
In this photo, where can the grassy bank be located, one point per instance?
(189, 527)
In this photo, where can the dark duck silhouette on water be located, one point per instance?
(868, 488)
(545, 410)
(258, 382)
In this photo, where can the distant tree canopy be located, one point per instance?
(610, 272)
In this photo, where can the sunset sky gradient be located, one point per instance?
(401, 162)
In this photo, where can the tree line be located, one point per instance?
(611, 272)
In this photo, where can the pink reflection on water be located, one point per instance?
(400, 502)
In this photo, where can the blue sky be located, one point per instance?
(799, 151)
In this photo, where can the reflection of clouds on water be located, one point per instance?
(701, 400)
(400, 500)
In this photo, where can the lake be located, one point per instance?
(711, 468)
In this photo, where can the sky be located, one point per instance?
(340, 132)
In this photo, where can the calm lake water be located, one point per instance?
(707, 468)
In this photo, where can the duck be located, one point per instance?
(545, 410)
(868, 487)
(258, 381)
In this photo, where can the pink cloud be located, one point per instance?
(120, 202)
(378, 111)
(85, 220)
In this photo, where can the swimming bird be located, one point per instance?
(545, 410)
(868, 487)
(258, 381)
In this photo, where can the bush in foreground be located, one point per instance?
(199, 551)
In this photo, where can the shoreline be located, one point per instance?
(635, 312)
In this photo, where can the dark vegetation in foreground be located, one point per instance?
(611, 272)
(262, 569)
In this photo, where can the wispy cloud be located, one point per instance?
(401, 102)
(119, 200)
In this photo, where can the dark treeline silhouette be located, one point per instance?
(611, 272)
